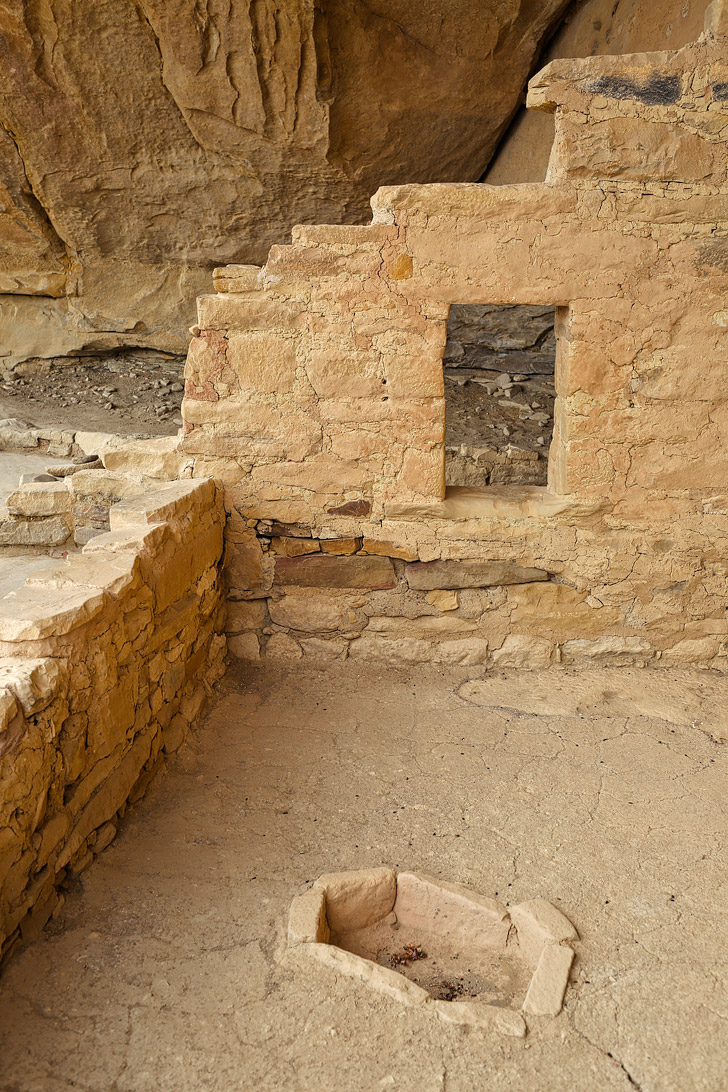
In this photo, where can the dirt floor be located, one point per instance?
(134, 391)
(166, 970)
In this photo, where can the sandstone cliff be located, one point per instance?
(142, 142)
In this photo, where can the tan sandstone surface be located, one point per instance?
(168, 971)
(143, 142)
(592, 28)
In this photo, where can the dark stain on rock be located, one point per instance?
(352, 508)
(720, 92)
(657, 91)
(714, 254)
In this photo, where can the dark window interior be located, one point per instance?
(499, 394)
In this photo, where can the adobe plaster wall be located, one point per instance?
(315, 392)
(106, 658)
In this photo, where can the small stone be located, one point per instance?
(546, 991)
(174, 734)
(104, 837)
(443, 600)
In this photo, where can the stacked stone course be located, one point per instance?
(106, 659)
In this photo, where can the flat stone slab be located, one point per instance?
(680, 696)
(14, 465)
(450, 575)
(330, 571)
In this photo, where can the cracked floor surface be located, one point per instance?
(166, 969)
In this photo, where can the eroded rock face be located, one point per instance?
(593, 28)
(143, 142)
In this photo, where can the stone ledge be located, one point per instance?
(501, 502)
(454, 575)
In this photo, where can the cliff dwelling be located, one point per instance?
(363, 635)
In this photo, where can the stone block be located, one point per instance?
(244, 646)
(343, 546)
(324, 649)
(359, 898)
(443, 600)
(428, 626)
(307, 922)
(388, 549)
(34, 683)
(314, 611)
(336, 374)
(262, 361)
(383, 979)
(36, 613)
(539, 923)
(244, 615)
(174, 734)
(484, 1017)
(103, 837)
(237, 278)
(469, 650)
(449, 575)
(393, 651)
(48, 531)
(295, 547)
(36, 499)
(167, 503)
(158, 457)
(282, 647)
(114, 572)
(520, 650)
(467, 917)
(608, 650)
(335, 572)
(546, 990)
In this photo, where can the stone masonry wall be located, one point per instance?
(315, 393)
(105, 661)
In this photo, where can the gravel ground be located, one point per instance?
(134, 391)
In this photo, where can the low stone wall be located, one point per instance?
(105, 661)
(401, 591)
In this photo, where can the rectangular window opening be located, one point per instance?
(499, 366)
